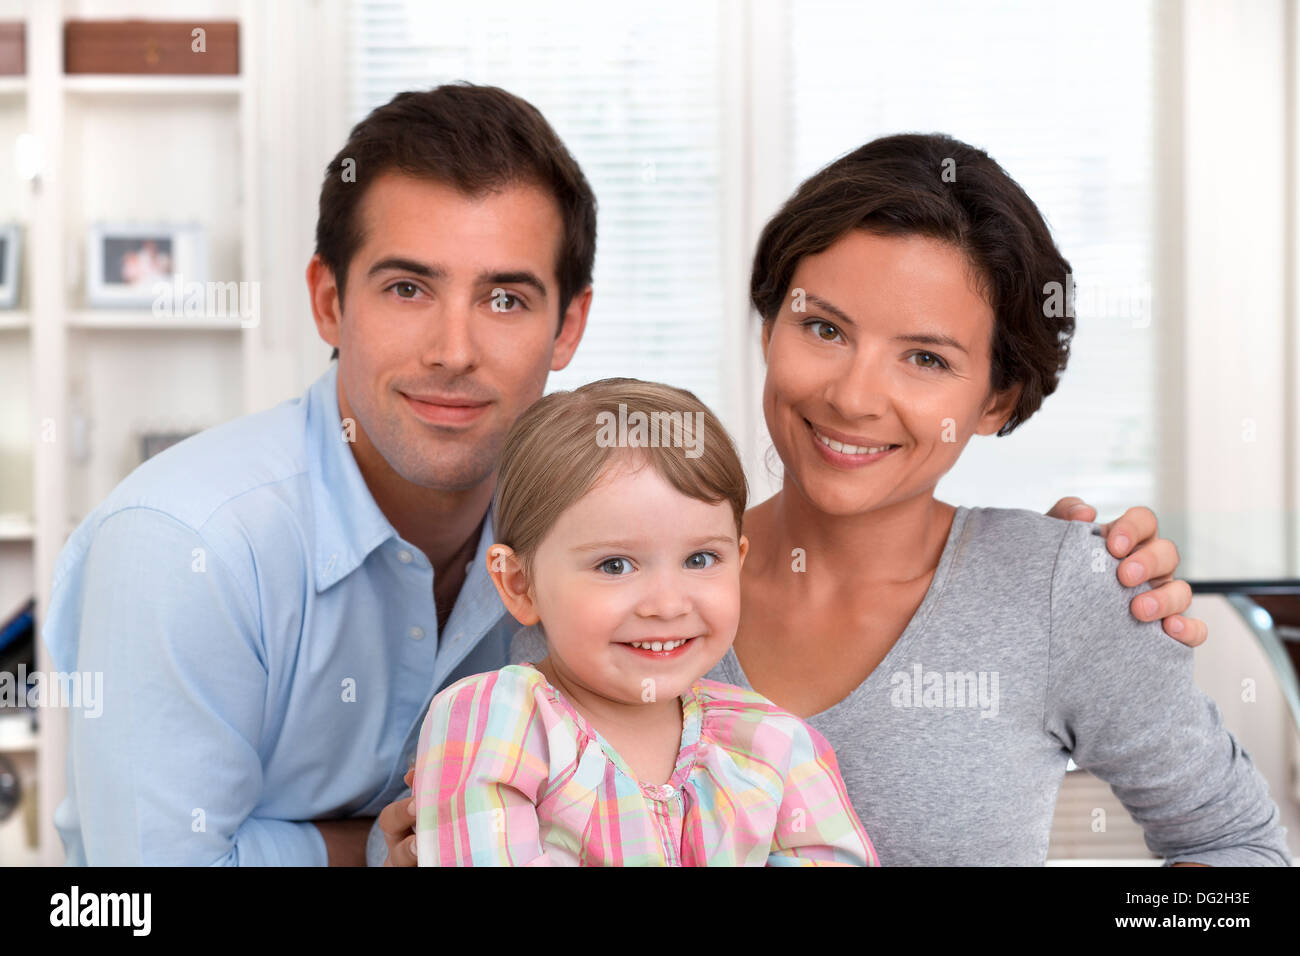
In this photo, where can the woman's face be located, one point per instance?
(884, 347)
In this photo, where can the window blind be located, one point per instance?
(634, 94)
(1063, 97)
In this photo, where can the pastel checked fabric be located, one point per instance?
(508, 774)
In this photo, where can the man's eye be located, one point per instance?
(712, 558)
(616, 564)
(405, 285)
(503, 301)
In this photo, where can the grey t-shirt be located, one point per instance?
(1024, 654)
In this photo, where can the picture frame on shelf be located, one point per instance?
(125, 262)
(11, 245)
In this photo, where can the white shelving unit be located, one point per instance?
(114, 148)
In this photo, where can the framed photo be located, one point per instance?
(126, 261)
(11, 238)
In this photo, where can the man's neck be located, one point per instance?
(445, 525)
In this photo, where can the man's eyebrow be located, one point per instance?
(399, 264)
(919, 338)
(518, 277)
(633, 545)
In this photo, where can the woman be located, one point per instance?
(954, 658)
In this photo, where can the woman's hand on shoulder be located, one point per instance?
(1134, 538)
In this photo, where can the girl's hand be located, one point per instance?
(1154, 560)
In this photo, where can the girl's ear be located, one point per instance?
(744, 548)
(512, 584)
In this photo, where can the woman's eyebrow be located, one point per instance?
(930, 339)
(827, 307)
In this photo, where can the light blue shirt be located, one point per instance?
(268, 644)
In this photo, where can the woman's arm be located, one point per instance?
(1122, 700)
(1154, 561)
(480, 766)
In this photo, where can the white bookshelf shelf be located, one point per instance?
(15, 321)
(143, 320)
(16, 528)
(16, 733)
(13, 86)
(89, 84)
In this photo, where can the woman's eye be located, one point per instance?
(935, 362)
(835, 333)
(711, 556)
(405, 285)
(616, 564)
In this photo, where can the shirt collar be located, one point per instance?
(349, 525)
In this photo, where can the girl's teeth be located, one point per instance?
(658, 645)
(844, 449)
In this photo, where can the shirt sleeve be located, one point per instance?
(168, 772)
(480, 769)
(1122, 700)
(816, 825)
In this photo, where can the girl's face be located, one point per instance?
(636, 560)
(891, 357)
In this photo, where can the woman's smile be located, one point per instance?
(837, 450)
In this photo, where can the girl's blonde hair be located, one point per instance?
(558, 448)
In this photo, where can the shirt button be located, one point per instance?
(404, 556)
(416, 633)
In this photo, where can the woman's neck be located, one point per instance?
(894, 544)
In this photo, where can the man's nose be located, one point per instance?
(449, 342)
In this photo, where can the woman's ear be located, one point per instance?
(512, 583)
(999, 409)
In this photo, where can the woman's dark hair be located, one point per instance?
(475, 138)
(936, 186)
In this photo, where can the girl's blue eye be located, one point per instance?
(604, 565)
(713, 557)
(939, 363)
(824, 323)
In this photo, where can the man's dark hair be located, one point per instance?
(475, 138)
(936, 186)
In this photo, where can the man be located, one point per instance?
(258, 597)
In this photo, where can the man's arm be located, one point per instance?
(169, 773)
(1121, 698)
(1149, 559)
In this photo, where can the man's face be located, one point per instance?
(448, 324)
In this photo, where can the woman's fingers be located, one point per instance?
(1191, 631)
(397, 821)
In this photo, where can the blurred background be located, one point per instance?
(1158, 138)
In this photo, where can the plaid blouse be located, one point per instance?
(508, 773)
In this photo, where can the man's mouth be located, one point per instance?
(444, 410)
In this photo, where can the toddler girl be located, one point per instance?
(617, 520)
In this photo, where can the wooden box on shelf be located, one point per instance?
(13, 50)
(150, 47)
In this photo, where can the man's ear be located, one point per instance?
(998, 410)
(572, 324)
(512, 584)
(326, 308)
